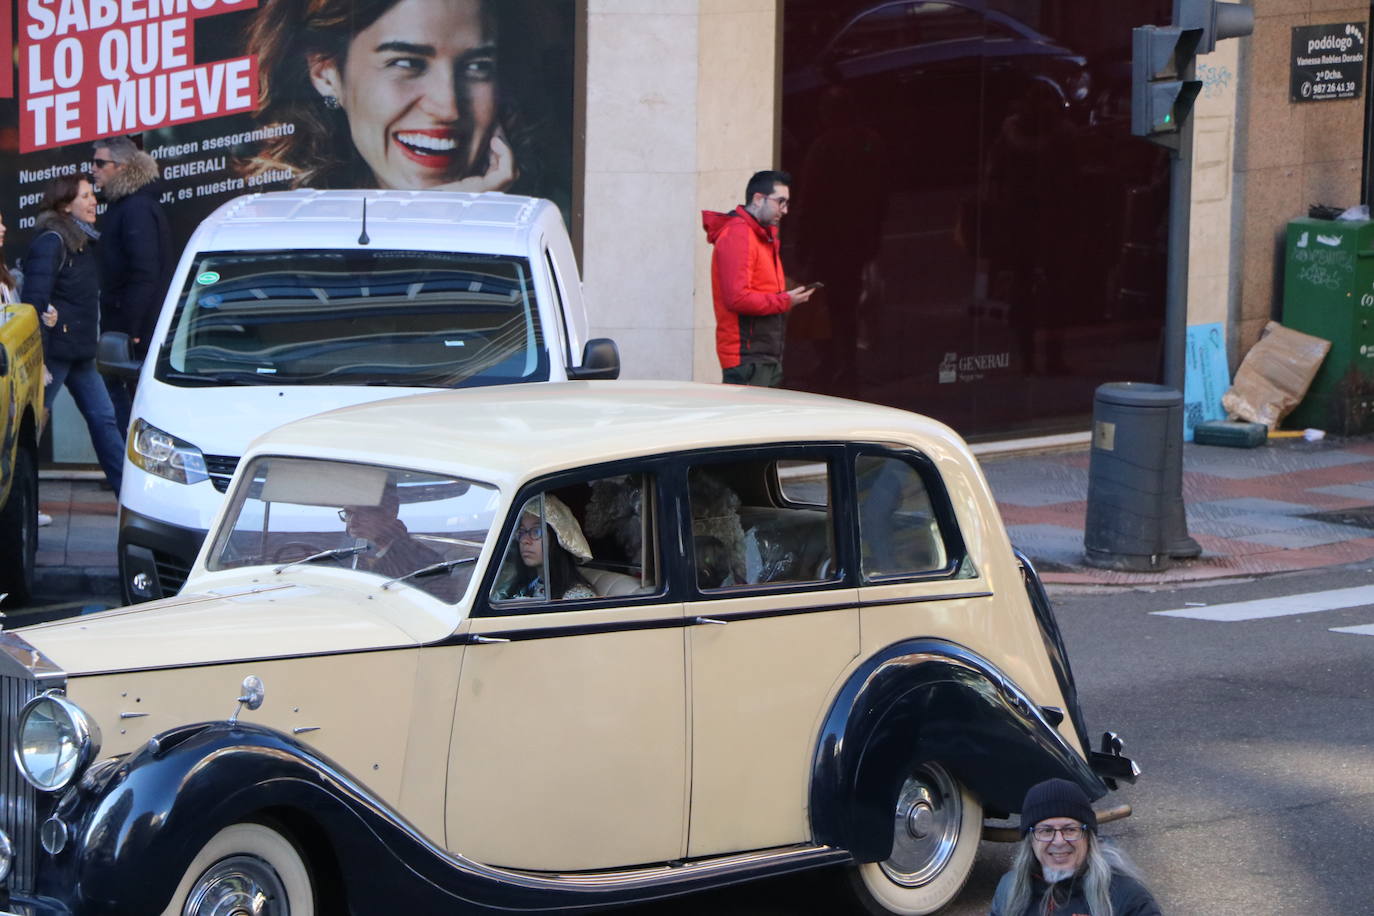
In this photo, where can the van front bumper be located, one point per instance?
(154, 557)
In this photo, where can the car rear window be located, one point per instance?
(355, 317)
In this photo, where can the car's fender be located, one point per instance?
(927, 700)
(137, 822)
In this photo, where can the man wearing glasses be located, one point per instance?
(135, 250)
(748, 284)
(1062, 859)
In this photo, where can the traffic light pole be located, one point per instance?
(1180, 220)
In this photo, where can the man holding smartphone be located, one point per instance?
(748, 285)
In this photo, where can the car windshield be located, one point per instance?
(423, 529)
(355, 317)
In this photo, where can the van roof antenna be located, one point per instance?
(362, 236)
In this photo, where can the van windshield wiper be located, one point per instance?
(208, 378)
(338, 553)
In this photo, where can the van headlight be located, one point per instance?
(164, 455)
(55, 741)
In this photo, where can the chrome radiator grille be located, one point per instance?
(18, 814)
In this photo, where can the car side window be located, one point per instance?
(580, 541)
(761, 521)
(935, 22)
(899, 533)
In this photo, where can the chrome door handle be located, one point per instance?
(483, 640)
(701, 620)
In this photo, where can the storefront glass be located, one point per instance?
(990, 236)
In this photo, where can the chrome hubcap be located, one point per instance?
(238, 886)
(928, 814)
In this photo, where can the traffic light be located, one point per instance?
(1160, 96)
(1162, 64)
(1216, 20)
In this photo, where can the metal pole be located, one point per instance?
(1180, 215)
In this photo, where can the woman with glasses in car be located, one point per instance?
(1063, 867)
(547, 548)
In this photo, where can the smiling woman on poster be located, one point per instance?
(392, 94)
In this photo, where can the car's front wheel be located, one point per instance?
(938, 824)
(247, 869)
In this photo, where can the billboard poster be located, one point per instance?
(235, 96)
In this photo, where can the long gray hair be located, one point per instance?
(1102, 861)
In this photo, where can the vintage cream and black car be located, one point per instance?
(549, 648)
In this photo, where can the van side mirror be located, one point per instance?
(600, 360)
(114, 355)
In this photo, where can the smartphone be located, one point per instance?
(816, 284)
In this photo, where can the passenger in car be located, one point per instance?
(393, 552)
(715, 518)
(713, 563)
(614, 513)
(540, 556)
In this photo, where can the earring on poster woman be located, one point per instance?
(332, 102)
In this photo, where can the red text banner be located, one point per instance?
(94, 68)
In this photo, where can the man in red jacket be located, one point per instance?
(748, 285)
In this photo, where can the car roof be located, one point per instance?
(489, 222)
(507, 434)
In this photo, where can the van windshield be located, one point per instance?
(354, 317)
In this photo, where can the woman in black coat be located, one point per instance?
(62, 281)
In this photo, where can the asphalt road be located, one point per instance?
(1256, 742)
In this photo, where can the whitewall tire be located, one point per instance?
(937, 826)
(247, 869)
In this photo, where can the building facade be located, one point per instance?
(990, 236)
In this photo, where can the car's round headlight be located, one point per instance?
(56, 739)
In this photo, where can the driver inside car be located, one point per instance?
(392, 552)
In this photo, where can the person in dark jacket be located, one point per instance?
(62, 281)
(748, 285)
(1062, 867)
(136, 252)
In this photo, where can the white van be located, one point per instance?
(289, 303)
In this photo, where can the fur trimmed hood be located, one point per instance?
(65, 226)
(139, 172)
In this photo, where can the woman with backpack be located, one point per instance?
(62, 281)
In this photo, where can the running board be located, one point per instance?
(738, 865)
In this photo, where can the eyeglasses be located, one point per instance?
(101, 163)
(534, 533)
(1045, 833)
(782, 202)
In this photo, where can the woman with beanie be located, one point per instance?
(1062, 867)
(62, 281)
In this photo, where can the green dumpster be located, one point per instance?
(1328, 292)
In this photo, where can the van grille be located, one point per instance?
(171, 572)
(221, 468)
(18, 812)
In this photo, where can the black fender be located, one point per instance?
(137, 822)
(928, 700)
(142, 820)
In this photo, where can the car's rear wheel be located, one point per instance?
(938, 824)
(245, 870)
(19, 531)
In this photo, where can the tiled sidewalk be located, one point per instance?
(1283, 506)
(76, 553)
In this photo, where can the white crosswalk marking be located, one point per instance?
(1308, 603)
(1364, 630)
